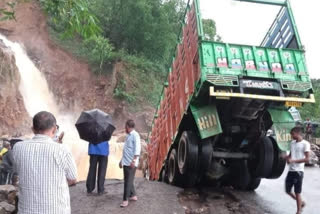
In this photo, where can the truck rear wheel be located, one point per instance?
(241, 178)
(188, 152)
(261, 165)
(253, 184)
(205, 157)
(279, 163)
(173, 171)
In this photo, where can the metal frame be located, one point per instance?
(269, 2)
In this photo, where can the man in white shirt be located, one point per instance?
(129, 162)
(45, 169)
(299, 155)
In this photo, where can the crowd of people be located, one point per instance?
(44, 168)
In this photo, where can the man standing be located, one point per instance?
(129, 162)
(3, 152)
(299, 155)
(45, 168)
(98, 158)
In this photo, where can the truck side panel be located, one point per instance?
(183, 76)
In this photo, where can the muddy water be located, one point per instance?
(38, 97)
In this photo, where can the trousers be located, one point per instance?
(129, 189)
(101, 162)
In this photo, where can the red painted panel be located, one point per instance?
(185, 72)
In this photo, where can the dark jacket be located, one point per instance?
(7, 162)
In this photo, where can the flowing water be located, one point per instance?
(38, 97)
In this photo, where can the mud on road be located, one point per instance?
(160, 198)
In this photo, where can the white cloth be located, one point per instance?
(131, 148)
(297, 152)
(43, 167)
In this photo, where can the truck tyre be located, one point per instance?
(205, 156)
(279, 163)
(163, 175)
(253, 184)
(173, 171)
(240, 176)
(188, 152)
(261, 165)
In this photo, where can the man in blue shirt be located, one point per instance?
(98, 158)
(129, 162)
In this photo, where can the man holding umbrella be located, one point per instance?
(95, 126)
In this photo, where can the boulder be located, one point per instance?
(6, 208)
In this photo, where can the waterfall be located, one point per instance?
(38, 97)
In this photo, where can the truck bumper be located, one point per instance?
(226, 95)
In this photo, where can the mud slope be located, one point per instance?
(73, 84)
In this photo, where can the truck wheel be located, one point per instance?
(253, 184)
(239, 177)
(188, 152)
(173, 171)
(163, 175)
(279, 163)
(261, 165)
(205, 157)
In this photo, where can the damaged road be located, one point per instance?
(160, 198)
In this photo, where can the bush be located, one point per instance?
(98, 50)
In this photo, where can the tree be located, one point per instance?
(73, 17)
(100, 50)
(210, 30)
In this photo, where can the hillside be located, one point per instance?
(74, 85)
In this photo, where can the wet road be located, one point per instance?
(160, 198)
(270, 195)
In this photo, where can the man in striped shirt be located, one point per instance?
(45, 169)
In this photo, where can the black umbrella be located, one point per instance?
(95, 126)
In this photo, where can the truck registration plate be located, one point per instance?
(293, 104)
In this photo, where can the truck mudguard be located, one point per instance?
(207, 120)
(283, 122)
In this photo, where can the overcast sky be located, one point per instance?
(247, 23)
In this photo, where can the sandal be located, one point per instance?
(124, 204)
(133, 198)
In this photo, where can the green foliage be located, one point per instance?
(8, 12)
(210, 30)
(72, 17)
(99, 50)
(141, 27)
(121, 93)
(312, 111)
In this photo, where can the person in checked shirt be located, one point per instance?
(129, 162)
(45, 169)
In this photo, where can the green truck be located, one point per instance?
(220, 100)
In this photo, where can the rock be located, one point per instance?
(144, 136)
(14, 115)
(6, 189)
(8, 208)
(11, 198)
